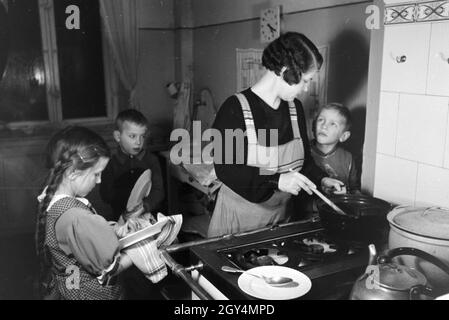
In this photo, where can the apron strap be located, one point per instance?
(249, 120)
(294, 120)
(248, 117)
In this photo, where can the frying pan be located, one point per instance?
(366, 218)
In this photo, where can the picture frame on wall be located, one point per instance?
(249, 67)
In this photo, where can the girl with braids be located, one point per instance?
(261, 174)
(78, 249)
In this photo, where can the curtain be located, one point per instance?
(4, 3)
(120, 21)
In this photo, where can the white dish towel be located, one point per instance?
(145, 254)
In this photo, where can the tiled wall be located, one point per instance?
(412, 159)
(413, 149)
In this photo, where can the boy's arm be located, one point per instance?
(157, 193)
(354, 183)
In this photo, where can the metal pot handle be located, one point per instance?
(418, 290)
(435, 207)
(388, 255)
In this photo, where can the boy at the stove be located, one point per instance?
(332, 127)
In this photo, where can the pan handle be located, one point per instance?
(416, 291)
(407, 251)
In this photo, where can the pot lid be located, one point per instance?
(430, 222)
(398, 277)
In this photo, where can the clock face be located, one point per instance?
(270, 27)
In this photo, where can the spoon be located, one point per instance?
(272, 281)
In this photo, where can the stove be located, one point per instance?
(332, 264)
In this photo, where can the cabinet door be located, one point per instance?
(438, 77)
(405, 58)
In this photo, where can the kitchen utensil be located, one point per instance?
(387, 280)
(275, 281)
(329, 202)
(365, 218)
(426, 229)
(258, 288)
(141, 189)
(142, 234)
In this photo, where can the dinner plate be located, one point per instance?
(258, 288)
(142, 234)
(443, 297)
(140, 190)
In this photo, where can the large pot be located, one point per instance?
(365, 221)
(426, 229)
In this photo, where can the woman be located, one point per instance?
(260, 175)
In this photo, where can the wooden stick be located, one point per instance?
(325, 199)
(330, 203)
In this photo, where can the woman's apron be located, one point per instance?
(234, 213)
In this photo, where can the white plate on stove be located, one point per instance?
(260, 289)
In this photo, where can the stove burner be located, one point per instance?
(298, 251)
(316, 244)
(259, 257)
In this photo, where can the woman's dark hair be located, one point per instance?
(295, 52)
(72, 148)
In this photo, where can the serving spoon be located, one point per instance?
(272, 281)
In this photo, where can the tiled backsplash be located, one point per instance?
(412, 145)
(412, 156)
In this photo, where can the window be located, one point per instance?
(52, 73)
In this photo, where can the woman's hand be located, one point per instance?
(293, 182)
(330, 185)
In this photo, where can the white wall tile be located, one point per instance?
(446, 149)
(388, 116)
(432, 186)
(395, 179)
(421, 134)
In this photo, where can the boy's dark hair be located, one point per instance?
(295, 52)
(130, 115)
(342, 111)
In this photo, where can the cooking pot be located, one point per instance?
(386, 280)
(365, 220)
(426, 229)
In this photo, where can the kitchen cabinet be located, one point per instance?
(438, 74)
(405, 58)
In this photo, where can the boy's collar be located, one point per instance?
(319, 152)
(122, 156)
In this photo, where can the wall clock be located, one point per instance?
(270, 24)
